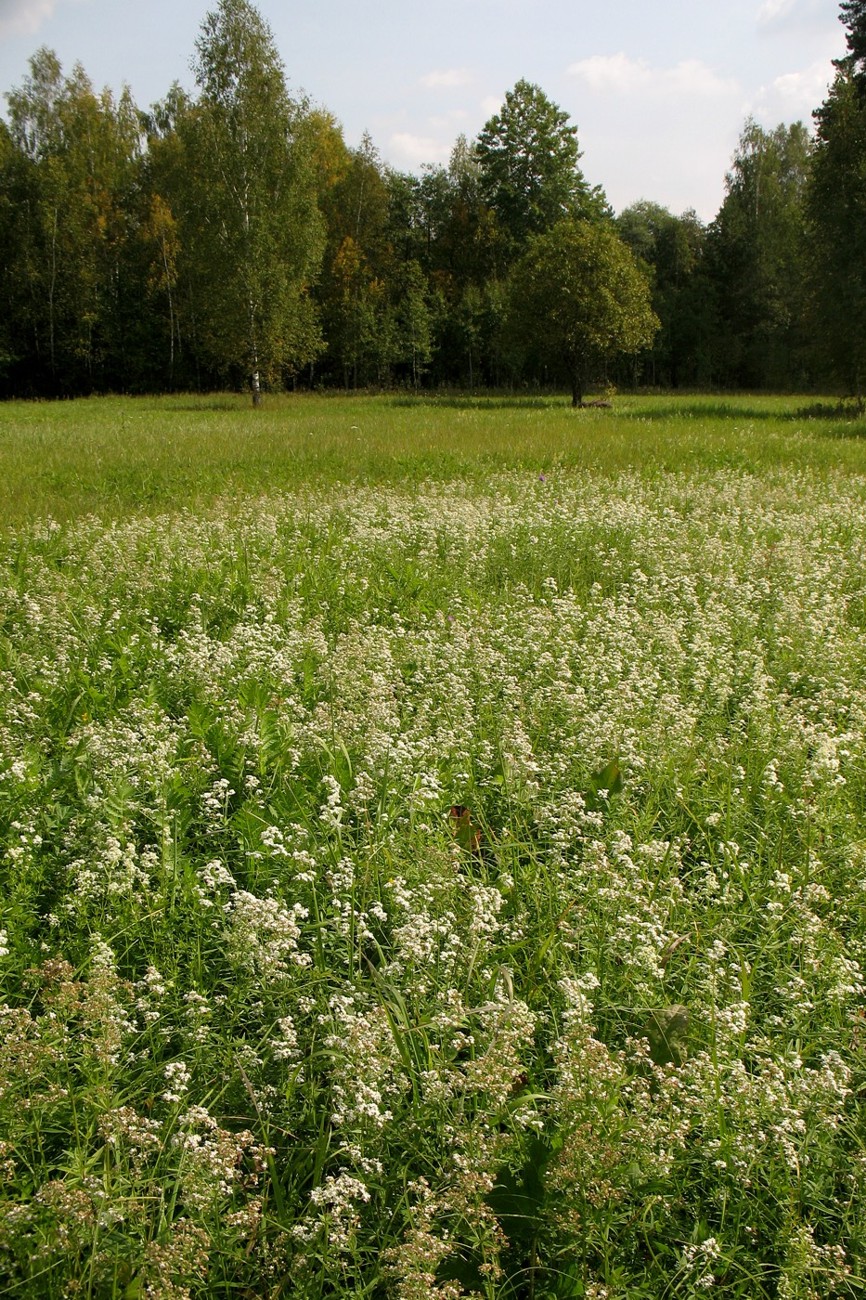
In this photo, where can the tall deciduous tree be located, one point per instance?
(77, 172)
(13, 277)
(358, 337)
(353, 289)
(159, 234)
(756, 258)
(672, 247)
(836, 211)
(577, 298)
(256, 234)
(528, 157)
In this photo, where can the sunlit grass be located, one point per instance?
(432, 859)
(115, 455)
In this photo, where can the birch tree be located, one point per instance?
(253, 226)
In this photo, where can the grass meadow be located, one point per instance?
(433, 849)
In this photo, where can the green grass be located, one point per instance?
(432, 852)
(112, 456)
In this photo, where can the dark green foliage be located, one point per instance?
(232, 238)
(69, 172)
(376, 297)
(755, 260)
(521, 1201)
(577, 298)
(214, 230)
(528, 159)
(853, 15)
(672, 248)
(13, 286)
(836, 208)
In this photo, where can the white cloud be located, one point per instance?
(781, 15)
(443, 121)
(659, 132)
(414, 150)
(772, 10)
(446, 77)
(24, 17)
(794, 94)
(614, 72)
(619, 74)
(491, 104)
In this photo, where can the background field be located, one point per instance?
(433, 851)
(117, 455)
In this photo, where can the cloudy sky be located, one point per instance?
(659, 92)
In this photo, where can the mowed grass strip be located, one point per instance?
(119, 455)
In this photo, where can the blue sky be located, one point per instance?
(659, 92)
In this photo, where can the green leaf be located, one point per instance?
(608, 778)
(604, 785)
(520, 1196)
(667, 1031)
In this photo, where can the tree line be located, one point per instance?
(230, 237)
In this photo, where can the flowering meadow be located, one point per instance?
(451, 886)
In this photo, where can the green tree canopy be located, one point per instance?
(756, 256)
(252, 227)
(528, 158)
(672, 248)
(358, 262)
(75, 170)
(836, 212)
(577, 298)
(853, 15)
